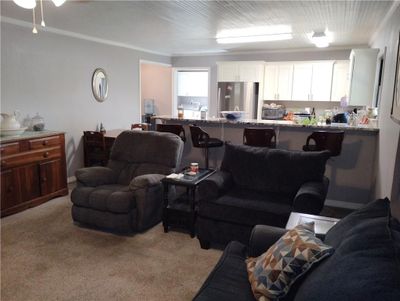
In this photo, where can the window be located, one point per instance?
(192, 91)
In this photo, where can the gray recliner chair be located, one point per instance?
(126, 196)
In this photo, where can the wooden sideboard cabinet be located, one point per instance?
(33, 170)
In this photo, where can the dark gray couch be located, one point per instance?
(126, 195)
(365, 265)
(259, 186)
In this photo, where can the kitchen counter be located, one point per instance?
(351, 174)
(28, 135)
(273, 123)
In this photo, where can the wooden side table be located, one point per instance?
(181, 211)
(322, 223)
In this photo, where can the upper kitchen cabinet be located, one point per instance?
(362, 76)
(312, 81)
(278, 81)
(340, 80)
(252, 71)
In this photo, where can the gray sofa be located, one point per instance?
(126, 196)
(364, 266)
(257, 185)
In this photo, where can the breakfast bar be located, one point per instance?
(351, 174)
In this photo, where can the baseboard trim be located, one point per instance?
(71, 180)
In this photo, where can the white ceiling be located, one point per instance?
(189, 27)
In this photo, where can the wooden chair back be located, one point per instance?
(94, 146)
(143, 126)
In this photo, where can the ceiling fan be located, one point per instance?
(31, 4)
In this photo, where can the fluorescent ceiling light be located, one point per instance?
(321, 39)
(253, 39)
(254, 34)
(28, 4)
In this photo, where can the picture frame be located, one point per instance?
(395, 111)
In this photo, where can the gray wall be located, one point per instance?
(388, 146)
(51, 74)
(210, 62)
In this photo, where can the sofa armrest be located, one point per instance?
(311, 197)
(215, 185)
(95, 176)
(145, 181)
(262, 238)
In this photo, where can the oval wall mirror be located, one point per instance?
(100, 85)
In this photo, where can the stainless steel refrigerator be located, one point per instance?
(242, 96)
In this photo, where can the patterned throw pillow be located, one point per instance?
(272, 273)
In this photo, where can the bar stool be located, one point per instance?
(143, 126)
(264, 137)
(176, 129)
(94, 149)
(202, 139)
(324, 140)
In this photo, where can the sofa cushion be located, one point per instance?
(365, 265)
(228, 281)
(272, 274)
(273, 170)
(247, 207)
(114, 198)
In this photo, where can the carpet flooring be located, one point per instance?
(44, 256)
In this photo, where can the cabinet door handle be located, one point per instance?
(45, 142)
(277, 96)
(44, 179)
(46, 154)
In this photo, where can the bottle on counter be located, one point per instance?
(180, 111)
(102, 129)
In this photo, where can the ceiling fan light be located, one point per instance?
(58, 2)
(28, 4)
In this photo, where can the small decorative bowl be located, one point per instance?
(232, 115)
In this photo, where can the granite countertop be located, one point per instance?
(28, 135)
(280, 123)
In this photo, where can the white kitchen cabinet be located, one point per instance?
(278, 81)
(312, 81)
(362, 76)
(340, 80)
(321, 83)
(240, 71)
(302, 79)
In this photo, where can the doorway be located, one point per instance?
(155, 89)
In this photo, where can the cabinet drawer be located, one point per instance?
(9, 149)
(30, 157)
(44, 142)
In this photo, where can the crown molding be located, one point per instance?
(80, 36)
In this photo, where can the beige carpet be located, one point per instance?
(44, 256)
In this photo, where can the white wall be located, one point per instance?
(210, 62)
(388, 147)
(156, 83)
(51, 74)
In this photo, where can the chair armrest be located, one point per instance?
(262, 238)
(145, 181)
(311, 197)
(95, 176)
(215, 185)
